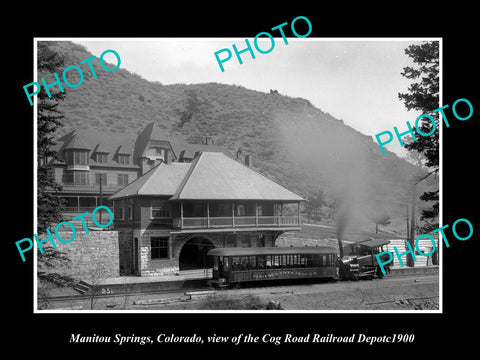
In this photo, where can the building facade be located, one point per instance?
(93, 165)
(171, 216)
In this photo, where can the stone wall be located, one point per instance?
(93, 256)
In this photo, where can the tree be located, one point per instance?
(49, 206)
(423, 96)
(315, 201)
(380, 218)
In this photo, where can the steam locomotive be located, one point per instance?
(358, 260)
(234, 266)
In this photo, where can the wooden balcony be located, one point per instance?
(237, 222)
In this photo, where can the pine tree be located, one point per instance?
(49, 205)
(49, 117)
(423, 95)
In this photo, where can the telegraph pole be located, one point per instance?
(411, 238)
(101, 197)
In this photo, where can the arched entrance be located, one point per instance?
(194, 254)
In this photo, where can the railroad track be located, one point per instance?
(120, 294)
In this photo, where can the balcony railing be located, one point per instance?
(91, 187)
(237, 221)
(82, 209)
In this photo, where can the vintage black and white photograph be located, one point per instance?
(270, 174)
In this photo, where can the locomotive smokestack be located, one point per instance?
(343, 217)
(340, 248)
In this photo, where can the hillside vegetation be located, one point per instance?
(291, 141)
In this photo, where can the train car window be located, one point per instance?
(275, 261)
(252, 263)
(318, 260)
(268, 261)
(293, 260)
(301, 260)
(235, 263)
(226, 263)
(309, 260)
(244, 263)
(260, 262)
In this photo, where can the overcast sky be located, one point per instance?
(357, 81)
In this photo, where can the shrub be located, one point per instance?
(250, 302)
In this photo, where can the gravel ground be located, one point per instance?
(394, 294)
(407, 297)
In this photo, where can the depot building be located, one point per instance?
(171, 216)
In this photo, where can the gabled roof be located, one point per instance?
(97, 141)
(211, 176)
(92, 139)
(152, 132)
(215, 176)
(189, 150)
(164, 179)
(76, 142)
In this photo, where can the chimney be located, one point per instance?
(208, 140)
(167, 155)
(248, 161)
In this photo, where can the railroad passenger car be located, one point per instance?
(240, 265)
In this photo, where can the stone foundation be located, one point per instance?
(93, 256)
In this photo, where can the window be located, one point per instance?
(80, 177)
(119, 209)
(76, 157)
(122, 159)
(244, 240)
(101, 158)
(259, 210)
(160, 209)
(80, 157)
(158, 151)
(239, 210)
(159, 247)
(122, 179)
(101, 178)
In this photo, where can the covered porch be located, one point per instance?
(235, 214)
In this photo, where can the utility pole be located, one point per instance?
(408, 229)
(101, 196)
(411, 239)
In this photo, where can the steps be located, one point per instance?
(82, 287)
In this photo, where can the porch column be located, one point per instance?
(280, 220)
(298, 213)
(208, 214)
(233, 214)
(256, 214)
(181, 214)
